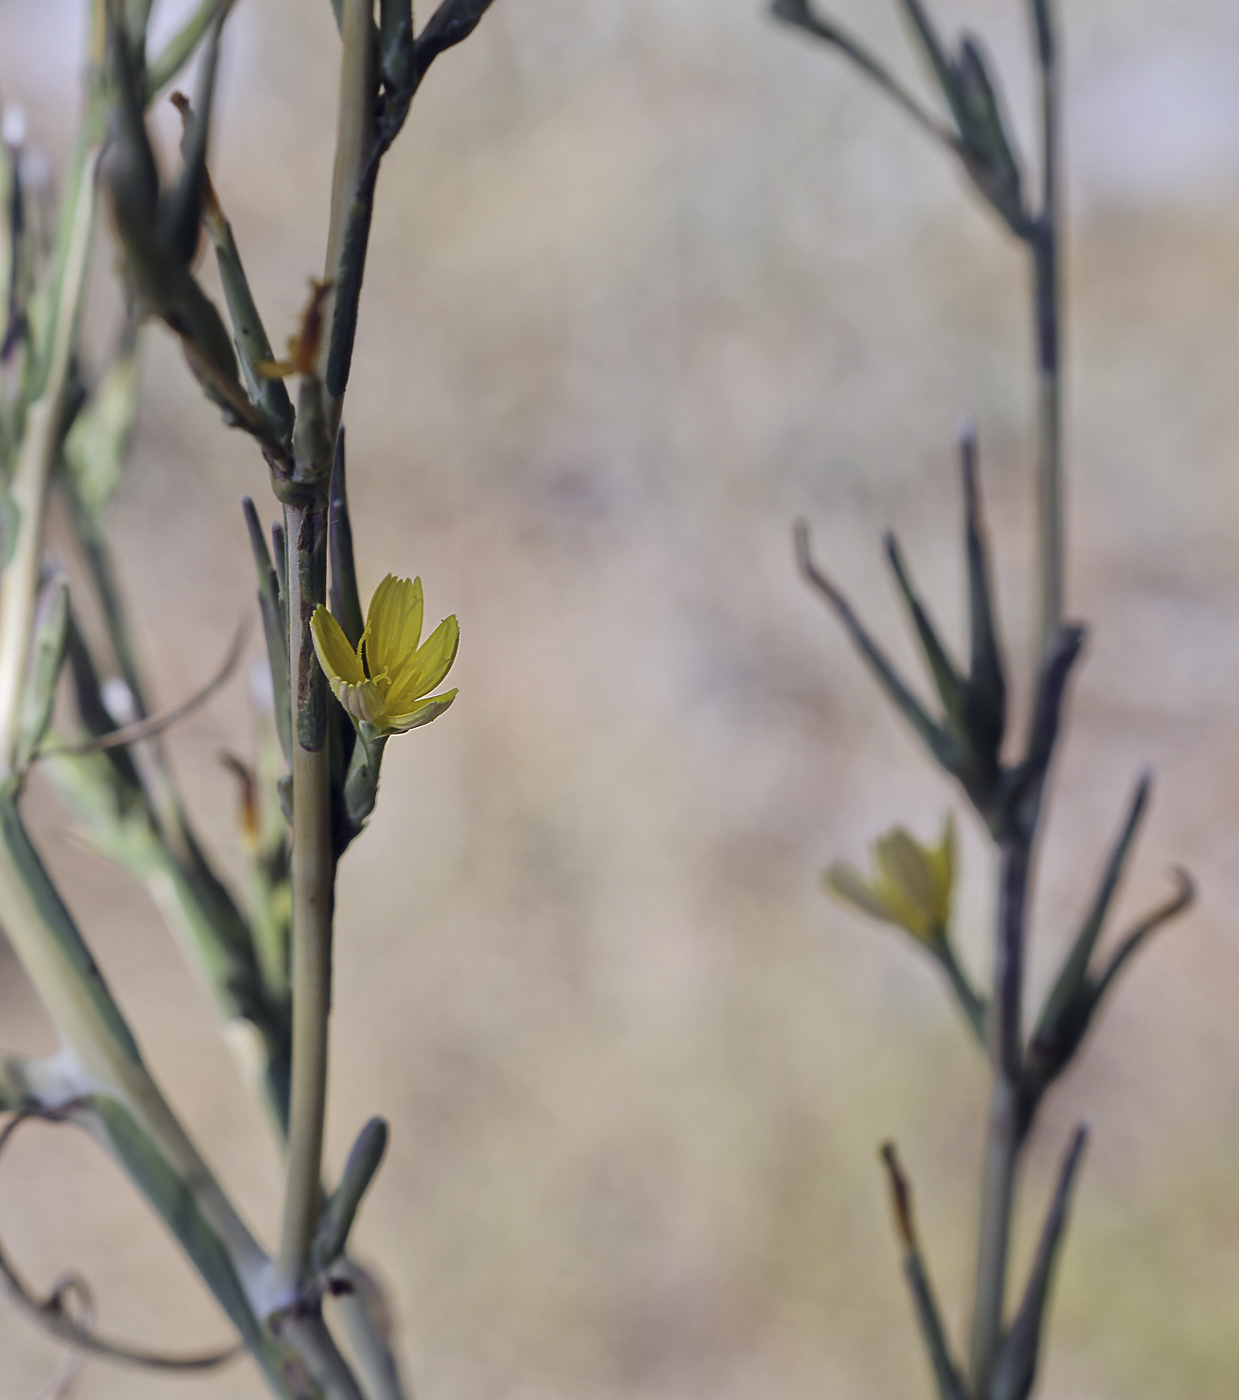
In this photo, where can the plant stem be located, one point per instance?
(1003, 1136)
(313, 881)
(1047, 310)
(313, 864)
(1007, 1128)
(355, 140)
(40, 441)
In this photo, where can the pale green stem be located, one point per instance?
(91, 1027)
(313, 880)
(313, 866)
(1005, 1131)
(997, 1202)
(36, 455)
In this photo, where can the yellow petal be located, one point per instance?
(905, 879)
(941, 861)
(421, 714)
(364, 701)
(426, 667)
(335, 655)
(848, 883)
(393, 625)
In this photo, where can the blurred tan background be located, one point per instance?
(649, 278)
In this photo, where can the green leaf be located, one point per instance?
(450, 25)
(180, 48)
(987, 685)
(1127, 949)
(799, 13)
(180, 210)
(272, 611)
(361, 783)
(947, 680)
(1064, 1017)
(934, 53)
(936, 740)
(345, 599)
(988, 151)
(395, 42)
(173, 1199)
(96, 448)
(249, 335)
(341, 1209)
(947, 1376)
(65, 942)
(1015, 1369)
(10, 524)
(47, 655)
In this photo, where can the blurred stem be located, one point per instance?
(355, 143)
(313, 880)
(1005, 1132)
(40, 441)
(1047, 307)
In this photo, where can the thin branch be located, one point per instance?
(64, 1377)
(932, 735)
(156, 724)
(799, 13)
(50, 1313)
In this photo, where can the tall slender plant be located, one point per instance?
(1003, 779)
(266, 959)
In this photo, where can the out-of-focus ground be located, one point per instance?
(647, 281)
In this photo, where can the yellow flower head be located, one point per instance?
(911, 884)
(384, 681)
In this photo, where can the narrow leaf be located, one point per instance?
(47, 655)
(273, 626)
(946, 1373)
(988, 151)
(83, 980)
(96, 448)
(92, 712)
(1047, 712)
(361, 784)
(973, 1006)
(180, 212)
(987, 685)
(249, 334)
(1070, 983)
(450, 25)
(345, 600)
(341, 1209)
(947, 680)
(1130, 945)
(798, 13)
(180, 48)
(1016, 1367)
(395, 42)
(174, 1200)
(932, 735)
(934, 53)
(1043, 27)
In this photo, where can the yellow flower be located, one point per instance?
(383, 682)
(911, 885)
